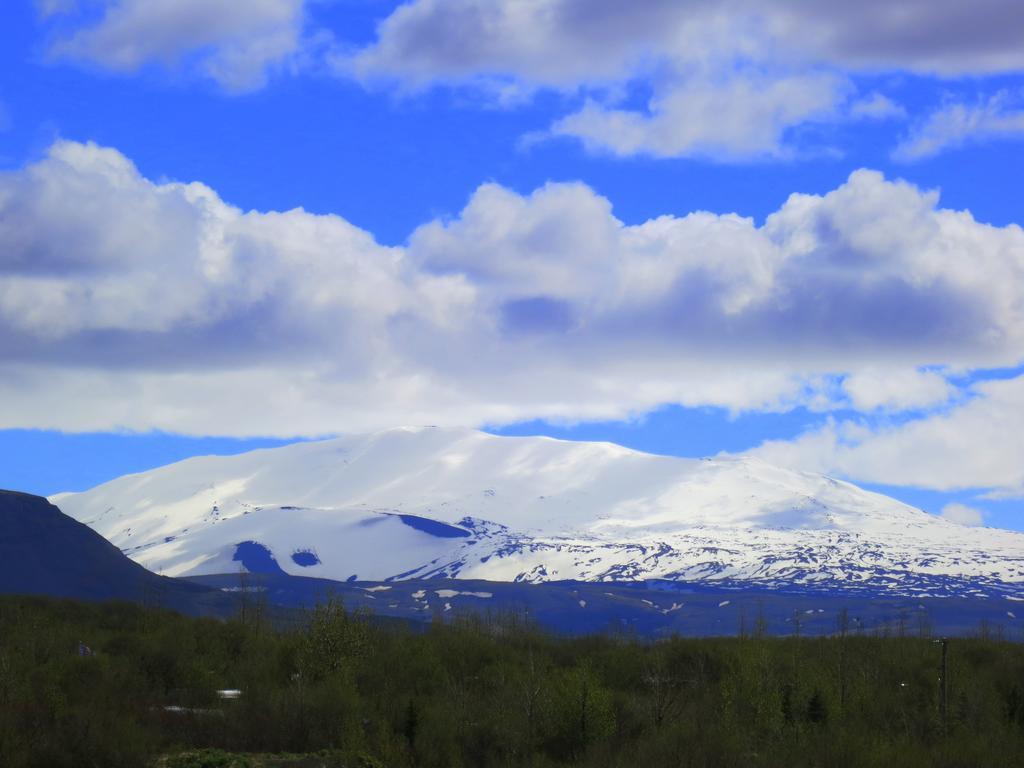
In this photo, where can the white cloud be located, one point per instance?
(742, 116)
(876, 106)
(957, 124)
(899, 389)
(541, 42)
(962, 514)
(942, 37)
(974, 445)
(721, 80)
(232, 42)
(727, 80)
(567, 42)
(704, 100)
(129, 303)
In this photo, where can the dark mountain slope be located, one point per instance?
(45, 552)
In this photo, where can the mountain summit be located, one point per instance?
(421, 502)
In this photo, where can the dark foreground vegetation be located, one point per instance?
(347, 691)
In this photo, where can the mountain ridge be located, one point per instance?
(419, 502)
(44, 552)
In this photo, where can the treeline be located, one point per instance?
(481, 692)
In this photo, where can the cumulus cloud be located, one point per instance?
(872, 271)
(962, 514)
(974, 445)
(130, 303)
(957, 124)
(721, 80)
(545, 42)
(738, 117)
(702, 102)
(897, 389)
(727, 79)
(566, 42)
(233, 43)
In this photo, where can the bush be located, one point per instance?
(344, 692)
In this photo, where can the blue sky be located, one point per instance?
(690, 229)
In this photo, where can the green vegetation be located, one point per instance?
(343, 690)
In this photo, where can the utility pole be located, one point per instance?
(944, 684)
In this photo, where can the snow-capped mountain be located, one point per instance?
(421, 502)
